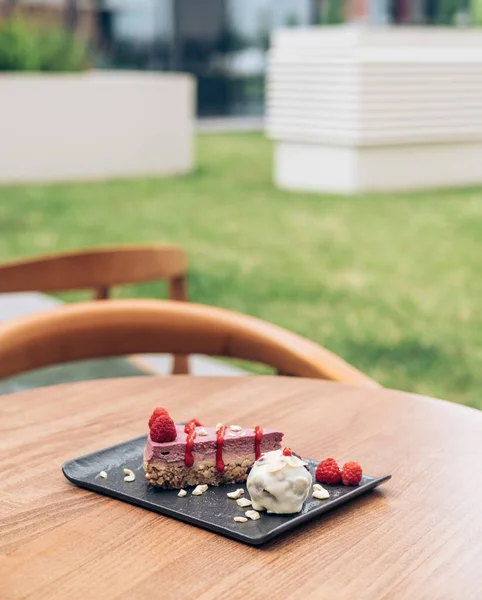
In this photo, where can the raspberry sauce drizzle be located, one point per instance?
(219, 448)
(190, 423)
(258, 436)
(190, 429)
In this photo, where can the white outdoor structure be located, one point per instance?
(95, 125)
(353, 108)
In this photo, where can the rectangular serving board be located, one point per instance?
(213, 510)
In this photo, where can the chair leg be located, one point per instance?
(284, 373)
(102, 293)
(178, 291)
(181, 365)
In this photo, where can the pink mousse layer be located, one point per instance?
(237, 444)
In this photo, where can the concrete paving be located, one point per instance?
(19, 304)
(229, 124)
(25, 303)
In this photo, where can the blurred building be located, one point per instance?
(222, 42)
(404, 11)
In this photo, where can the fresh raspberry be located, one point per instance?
(287, 452)
(190, 423)
(163, 429)
(157, 413)
(328, 472)
(351, 473)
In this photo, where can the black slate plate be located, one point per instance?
(212, 510)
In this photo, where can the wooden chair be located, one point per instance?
(98, 329)
(100, 269)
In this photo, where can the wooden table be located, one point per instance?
(419, 536)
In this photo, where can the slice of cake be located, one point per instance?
(178, 456)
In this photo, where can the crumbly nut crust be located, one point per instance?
(180, 476)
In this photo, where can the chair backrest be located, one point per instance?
(97, 329)
(100, 269)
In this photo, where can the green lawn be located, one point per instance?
(393, 283)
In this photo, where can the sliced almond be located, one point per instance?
(240, 519)
(202, 431)
(243, 502)
(317, 486)
(218, 426)
(103, 475)
(129, 475)
(235, 428)
(199, 489)
(252, 514)
(294, 461)
(235, 495)
(321, 494)
(275, 465)
(182, 493)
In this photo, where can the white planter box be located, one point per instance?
(354, 109)
(95, 125)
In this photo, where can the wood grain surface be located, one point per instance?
(419, 537)
(97, 268)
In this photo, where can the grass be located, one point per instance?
(393, 283)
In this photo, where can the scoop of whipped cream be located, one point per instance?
(279, 483)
